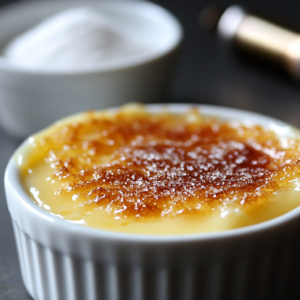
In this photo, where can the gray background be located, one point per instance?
(206, 73)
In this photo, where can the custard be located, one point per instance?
(161, 173)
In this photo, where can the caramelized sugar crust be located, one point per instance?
(137, 164)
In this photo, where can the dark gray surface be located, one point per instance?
(11, 286)
(206, 74)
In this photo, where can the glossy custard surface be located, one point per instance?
(163, 173)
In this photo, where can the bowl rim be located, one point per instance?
(162, 15)
(12, 181)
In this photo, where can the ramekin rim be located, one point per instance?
(11, 177)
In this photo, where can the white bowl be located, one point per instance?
(61, 260)
(33, 98)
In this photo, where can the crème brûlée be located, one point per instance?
(161, 173)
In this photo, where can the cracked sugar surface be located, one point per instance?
(163, 173)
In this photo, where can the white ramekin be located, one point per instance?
(64, 261)
(32, 99)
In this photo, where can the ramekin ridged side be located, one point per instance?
(270, 270)
(64, 261)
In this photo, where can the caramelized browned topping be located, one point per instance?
(143, 165)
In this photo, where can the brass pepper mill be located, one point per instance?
(257, 36)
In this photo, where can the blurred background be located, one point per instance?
(207, 72)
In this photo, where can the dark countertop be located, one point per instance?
(206, 74)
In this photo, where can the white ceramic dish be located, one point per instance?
(61, 260)
(34, 98)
